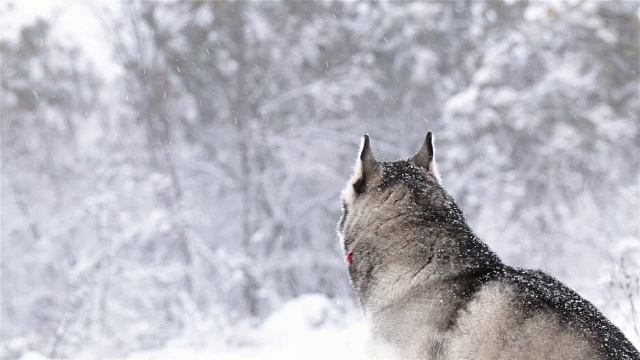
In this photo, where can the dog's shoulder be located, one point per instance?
(537, 291)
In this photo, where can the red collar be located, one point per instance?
(349, 258)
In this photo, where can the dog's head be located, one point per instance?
(379, 192)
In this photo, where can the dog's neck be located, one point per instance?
(386, 270)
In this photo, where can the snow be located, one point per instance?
(324, 342)
(76, 24)
(155, 197)
(31, 355)
(308, 327)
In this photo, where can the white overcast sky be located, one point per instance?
(75, 23)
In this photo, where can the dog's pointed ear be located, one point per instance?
(366, 159)
(426, 157)
(365, 168)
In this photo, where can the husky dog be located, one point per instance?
(430, 289)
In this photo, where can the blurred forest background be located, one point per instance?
(195, 185)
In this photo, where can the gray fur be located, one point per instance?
(432, 290)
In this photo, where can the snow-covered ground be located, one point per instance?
(309, 327)
(326, 342)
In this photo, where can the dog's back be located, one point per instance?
(508, 314)
(432, 290)
(524, 314)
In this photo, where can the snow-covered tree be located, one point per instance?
(197, 189)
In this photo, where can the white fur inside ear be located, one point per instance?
(348, 193)
(433, 169)
(433, 166)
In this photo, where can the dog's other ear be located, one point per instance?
(366, 166)
(426, 157)
(367, 161)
